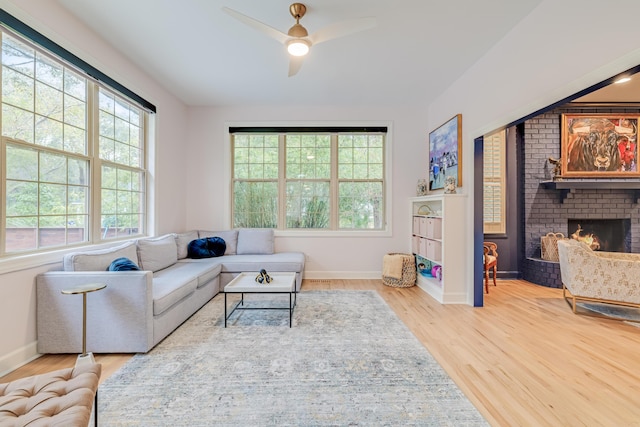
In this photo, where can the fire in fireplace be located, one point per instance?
(610, 235)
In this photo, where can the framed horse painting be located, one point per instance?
(599, 145)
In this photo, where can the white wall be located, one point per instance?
(341, 257)
(559, 49)
(17, 290)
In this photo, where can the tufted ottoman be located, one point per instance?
(59, 398)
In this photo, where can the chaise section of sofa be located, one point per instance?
(135, 311)
(252, 249)
(138, 309)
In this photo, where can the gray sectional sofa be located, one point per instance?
(138, 309)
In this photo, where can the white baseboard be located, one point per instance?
(18, 358)
(342, 274)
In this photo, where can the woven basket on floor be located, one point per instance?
(408, 272)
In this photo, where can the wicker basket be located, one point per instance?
(549, 246)
(408, 278)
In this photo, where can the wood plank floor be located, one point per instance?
(523, 360)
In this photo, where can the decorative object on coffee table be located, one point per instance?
(263, 277)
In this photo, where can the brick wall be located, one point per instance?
(543, 209)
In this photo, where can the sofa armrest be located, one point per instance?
(119, 317)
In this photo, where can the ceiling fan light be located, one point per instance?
(298, 47)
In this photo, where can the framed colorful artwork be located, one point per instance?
(599, 145)
(445, 153)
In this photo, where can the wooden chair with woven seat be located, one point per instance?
(490, 259)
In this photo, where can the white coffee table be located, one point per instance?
(245, 283)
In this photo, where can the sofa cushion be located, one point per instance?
(230, 237)
(98, 260)
(123, 264)
(281, 261)
(206, 269)
(178, 281)
(169, 290)
(182, 242)
(207, 247)
(157, 253)
(255, 241)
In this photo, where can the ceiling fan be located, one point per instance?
(297, 39)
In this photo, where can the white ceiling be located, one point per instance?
(628, 92)
(205, 57)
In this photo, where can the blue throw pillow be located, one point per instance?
(122, 264)
(207, 247)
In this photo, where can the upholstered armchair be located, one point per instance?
(607, 277)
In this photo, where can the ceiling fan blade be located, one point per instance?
(295, 63)
(263, 28)
(342, 29)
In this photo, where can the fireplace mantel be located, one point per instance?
(567, 186)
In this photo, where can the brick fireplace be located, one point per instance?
(556, 210)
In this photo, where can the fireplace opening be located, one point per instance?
(610, 235)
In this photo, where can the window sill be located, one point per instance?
(332, 233)
(15, 263)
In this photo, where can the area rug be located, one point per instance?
(630, 315)
(348, 360)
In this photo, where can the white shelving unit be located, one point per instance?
(438, 237)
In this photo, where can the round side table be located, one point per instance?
(84, 290)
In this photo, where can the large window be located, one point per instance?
(321, 180)
(72, 154)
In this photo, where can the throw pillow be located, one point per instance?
(122, 264)
(182, 241)
(207, 247)
(230, 237)
(255, 241)
(157, 253)
(99, 260)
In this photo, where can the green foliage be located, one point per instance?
(256, 205)
(316, 214)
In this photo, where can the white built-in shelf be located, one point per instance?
(438, 237)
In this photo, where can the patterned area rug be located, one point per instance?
(348, 360)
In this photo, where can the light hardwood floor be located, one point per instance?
(523, 360)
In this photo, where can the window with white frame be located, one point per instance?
(72, 154)
(494, 197)
(319, 179)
